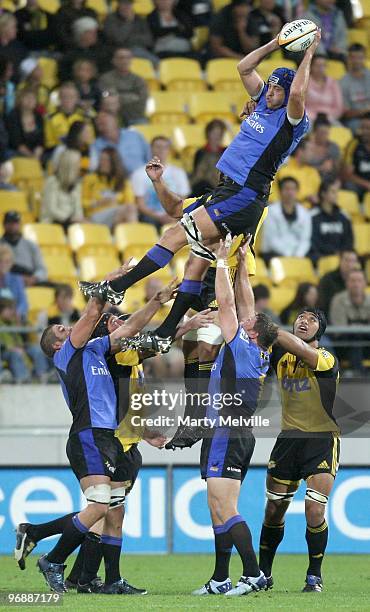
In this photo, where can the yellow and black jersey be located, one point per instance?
(57, 126)
(307, 395)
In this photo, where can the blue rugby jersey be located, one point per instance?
(87, 384)
(264, 141)
(240, 368)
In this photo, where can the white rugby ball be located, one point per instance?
(297, 35)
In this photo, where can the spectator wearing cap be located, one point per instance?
(123, 28)
(34, 26)
(171, 29)
(265, 21)
(12, 285)
(85, 44)
(10, 47)
(131, 88)
(324, 94)
(323, 154)
(57, 124)
(228, 31)
(333, 26)
(28, 261)
(355, 87)
(69, 12)
(262, 297)
(26, 126)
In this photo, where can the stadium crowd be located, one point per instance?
(89, 93)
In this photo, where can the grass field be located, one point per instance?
(169, 579)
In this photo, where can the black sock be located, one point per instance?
(270, 538)
(75, 573)
(111, 553)
(92, 555)
(44, 530)
(187, 292)
(191, 386)
(223, 548)
(317, 539)
(242, 540)
(158, 257)
(73, 535)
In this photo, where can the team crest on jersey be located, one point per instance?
(213, 468)
(244, 336)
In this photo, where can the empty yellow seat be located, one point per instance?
(143, 7)
(178, 74)
(99, 6)
(362, 238)
(27, 168)
(222, 75)
(50, 6)
(266, 67)
(355, 35)
(261, 270)
(340, 135)
(13, 200)
(49, 236)
(205, 106)
(150, 131)
(144, 68)
(86, 238)
(60, 267)
(135, 234)
(281, 297)
(296, 269)
(189, 136)
(335, 69)
(327, 264)
(134, 299)
(348, 202)
(96, 267)
(167, 107)
(49, 68)
(39, 299)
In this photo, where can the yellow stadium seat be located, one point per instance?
(222, 75)
(219, 4)
(143, 7)
(261, 270)
(167, 107)
(26, 217)
(134, 299)
(49, 236)
(189, 137)
(362, 238)
(335, 69)
(357, 36)
(96, 267)
(179, 266)
(99, 6)
(366, 206)
(200, 37)
(60, 268)
(50, 6)
(39, 299)
(205, 106)
(164, 274)
(144, 68)
(49, 68)
(135, 234)
(348, 202)
(266, 67)
(26, 168)
(13, 200)
(340, 135)
(178, 74)
(90, 239)
(79, 300)
(296, 269)
(150, 131)
(281, 297)
(367, 272)
(327, 264)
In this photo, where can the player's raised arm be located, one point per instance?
(298, 89)
(251, 80)
(171, 202)
(225, 294)
(299, 348)
(84, 327)
(244, 295)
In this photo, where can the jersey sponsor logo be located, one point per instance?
(100, 371)
(233, 469)
(253, 121)
(295, 384)
(325, 354)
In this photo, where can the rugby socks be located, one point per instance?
(111, 554)
(317, 539)
(191, 386)
(188, 290)
(270, 538)
(73, 535)
(44, 530)
(242, 540)
(158, 257)
(92, 554)
(223, 548)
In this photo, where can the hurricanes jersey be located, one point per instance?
(307, 395)
(131, 381)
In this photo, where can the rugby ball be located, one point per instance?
(297, 35)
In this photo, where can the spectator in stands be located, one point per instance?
(356, 167)
(131, 88)
(62, 312)
(79, 139)
(262, 297)
(287, 228)
(110, 103)
(12, 285)
(6, 175)
(87, 45)
(333, 28)
(152, 286)
(124, 29)
(334, 282)
(199, 11)
(324, 94)
(28, 261)
(265, 21)
(61, 197)
(323, 154)
(26, 126)
(229, 36)
(147, 201)
(171, 30)
(57, 124)
(84, 77)
(299, 168)
(31, 75)
(107, 194)
(131, 145)
(7, 88)
(356, 87)
(34, 26)
(69, 12)
(205, 174)
(16, 351)
(352, 307)
(10, 47)
(331, 229)
(306, 297)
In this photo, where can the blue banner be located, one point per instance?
(39, 495)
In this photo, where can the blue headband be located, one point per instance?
(283, 77)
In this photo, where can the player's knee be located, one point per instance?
(274, 512)
(98, 497)
(315, 513)
(174, 237)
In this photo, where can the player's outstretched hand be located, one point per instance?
(242, 250)
(312, 48)
(154, 169)
(121, 271)
(201, 319)
(248, 108)
(168, 292)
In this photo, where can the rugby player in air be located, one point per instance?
(247, 167)
(308, 446)
(238, 371)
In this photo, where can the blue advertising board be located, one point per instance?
(152, 525)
